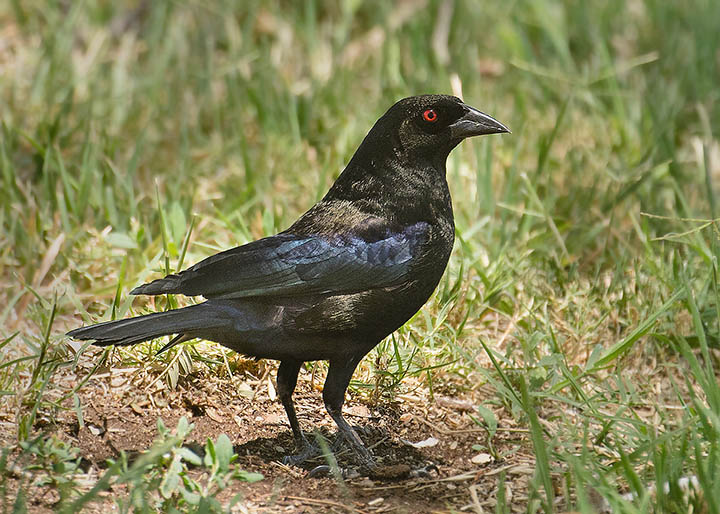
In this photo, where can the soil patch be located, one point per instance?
(414, 431)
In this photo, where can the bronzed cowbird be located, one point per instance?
(350, 271)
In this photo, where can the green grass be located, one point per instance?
(584, 283)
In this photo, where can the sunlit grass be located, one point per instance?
(140, 138)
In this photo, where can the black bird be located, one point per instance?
(349, 272)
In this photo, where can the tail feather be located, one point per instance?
(143, 328)
(169, 284)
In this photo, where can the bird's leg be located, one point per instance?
(336, 384)
(286, 382)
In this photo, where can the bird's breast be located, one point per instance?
(374, 313)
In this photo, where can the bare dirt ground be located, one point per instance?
(121, 408)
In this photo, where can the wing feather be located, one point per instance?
(288, 265)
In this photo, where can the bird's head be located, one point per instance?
(430, 126)
(404, 153)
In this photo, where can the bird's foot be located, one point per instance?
(362, 455)
(365, 464)
(389, 472)
(307, 451)
(365, 431)
(327, 470)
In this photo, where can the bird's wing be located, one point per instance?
(287, 265)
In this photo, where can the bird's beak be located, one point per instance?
(476, 123)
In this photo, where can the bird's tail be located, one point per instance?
(125, 332)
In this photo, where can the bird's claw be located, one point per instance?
(325, 469)
(363, 455)
(307, 452)
(396, 472)
(321, 470)
(363, 430)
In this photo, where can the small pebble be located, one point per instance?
(482, 458)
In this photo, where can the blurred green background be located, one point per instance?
(250, 110)
(139, 137)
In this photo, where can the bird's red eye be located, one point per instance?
(430, 116)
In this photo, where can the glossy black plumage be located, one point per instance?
(350, 271)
